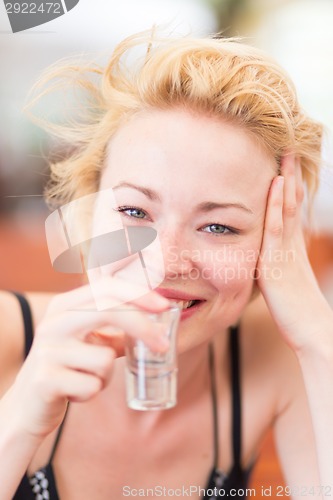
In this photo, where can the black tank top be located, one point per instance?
(42, 485)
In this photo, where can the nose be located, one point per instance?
(177, 249)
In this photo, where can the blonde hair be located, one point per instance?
(220, 77)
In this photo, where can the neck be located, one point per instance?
(193, 365)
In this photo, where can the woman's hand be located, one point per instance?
(69, 361)
(284, 274)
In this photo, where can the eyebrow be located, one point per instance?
(204, 207)
(207, 206)
(152, 195)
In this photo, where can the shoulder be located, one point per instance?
(12, 331)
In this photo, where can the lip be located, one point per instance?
(169, 293)
(177, 294)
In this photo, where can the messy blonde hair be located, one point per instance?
(220, 77)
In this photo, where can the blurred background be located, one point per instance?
(298, 33)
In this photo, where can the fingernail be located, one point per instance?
(161, 301)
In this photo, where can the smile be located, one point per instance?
(186, 304)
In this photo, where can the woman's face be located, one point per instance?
(203, 185)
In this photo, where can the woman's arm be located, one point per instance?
(16, 448)
(65, 364)
(294, 433)
(316, 362)
(300, 311)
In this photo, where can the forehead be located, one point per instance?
(168, 148)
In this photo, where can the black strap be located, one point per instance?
(236, 395)
(236, 398)
(214, 401)
(58, 436)
(27, 322)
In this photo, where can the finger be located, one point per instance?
(79, 324)
(74, 385)
(290, 206)
(103, 337)
(84, 357)
(135, 323)
(273, 229)
(119, 292)
(110, 289)
(299, 182)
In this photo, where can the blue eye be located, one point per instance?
(134, 212)
(218, 229)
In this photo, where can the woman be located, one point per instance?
(205, 142)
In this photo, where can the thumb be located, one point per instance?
(114, 341)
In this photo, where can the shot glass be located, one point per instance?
(151, 377)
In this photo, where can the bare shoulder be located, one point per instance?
(267, 359)
(12, 331)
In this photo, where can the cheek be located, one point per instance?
(232, 268)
